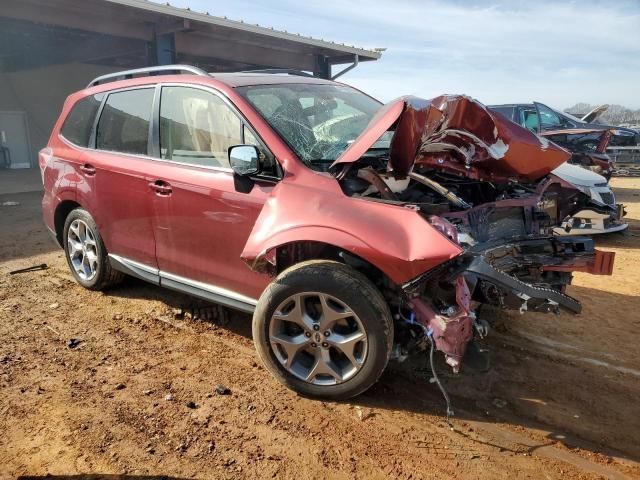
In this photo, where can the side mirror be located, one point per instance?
(244, 160)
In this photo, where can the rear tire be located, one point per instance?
(323, 330)
(85, 252)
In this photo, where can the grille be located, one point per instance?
(608, 198)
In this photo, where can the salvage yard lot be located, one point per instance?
(561, 400)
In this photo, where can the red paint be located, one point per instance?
(600, 263)
(311, 207)
(204, 227)
(207, 231)
(436, 132)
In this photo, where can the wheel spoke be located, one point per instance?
(92, 260)
(75, 229)
(78, 263)
(290, 345)
(86, 267)
(346, 344)
(318, 338)
(329, 313)
(297, 314)
(82, 249)
(75, 247)
(323, 365)
(89, 240)
(82, 232)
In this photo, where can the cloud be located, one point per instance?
(497, 51)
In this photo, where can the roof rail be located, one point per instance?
(288, 71)
(162, 69)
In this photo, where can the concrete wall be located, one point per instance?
(41, 92)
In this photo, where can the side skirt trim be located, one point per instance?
(198, 289)
(135, 269)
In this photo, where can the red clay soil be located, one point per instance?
(136, 393)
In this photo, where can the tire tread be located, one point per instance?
(350, 280)
(107, 275)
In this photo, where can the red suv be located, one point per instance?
(353, 231)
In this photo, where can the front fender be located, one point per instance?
(396, 240)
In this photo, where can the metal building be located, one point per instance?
(50, 48)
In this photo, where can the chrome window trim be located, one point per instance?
(153, 122)
(94, 133)
(234, 109)
(144, 157)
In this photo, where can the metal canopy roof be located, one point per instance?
(136, 33)
(328, 48)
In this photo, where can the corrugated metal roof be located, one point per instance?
(205, 17)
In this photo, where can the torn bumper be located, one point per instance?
(513, 276)
(590, 222)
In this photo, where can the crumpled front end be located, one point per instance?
(523, 274)
(485, 183)
(457, 212)
(457, 134)
(588, 147)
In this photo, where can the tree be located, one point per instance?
(614, 115)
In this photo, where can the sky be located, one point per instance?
(556, 52)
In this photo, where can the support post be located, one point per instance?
(322, 67)
(163, 50)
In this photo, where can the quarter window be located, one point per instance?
(197, 127)
(79, 123)
(124, 122)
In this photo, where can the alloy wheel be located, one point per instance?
(318, 338)
(82, 250)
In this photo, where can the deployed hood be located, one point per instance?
(594, 114)
(578, 176)
(458, 134)
(577, 140)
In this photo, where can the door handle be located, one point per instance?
(89, 170)
(161, 188)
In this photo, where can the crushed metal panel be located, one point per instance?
(458, 134)
(314, 209)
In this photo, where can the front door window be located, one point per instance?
(549, 120)
(197, 127)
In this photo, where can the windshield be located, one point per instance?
(318, 121)
(565, 114)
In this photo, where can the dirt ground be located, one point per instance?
(561, 401)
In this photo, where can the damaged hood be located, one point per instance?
(573, 139)
(458, 134)
(595, 113)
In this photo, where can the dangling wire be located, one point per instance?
(435, 377)
(429, 334)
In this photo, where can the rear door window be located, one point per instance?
(529, 119)
(124, 122)
(506, 111)
(78, 125)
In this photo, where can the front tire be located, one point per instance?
(85, 252)
(323, 330)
